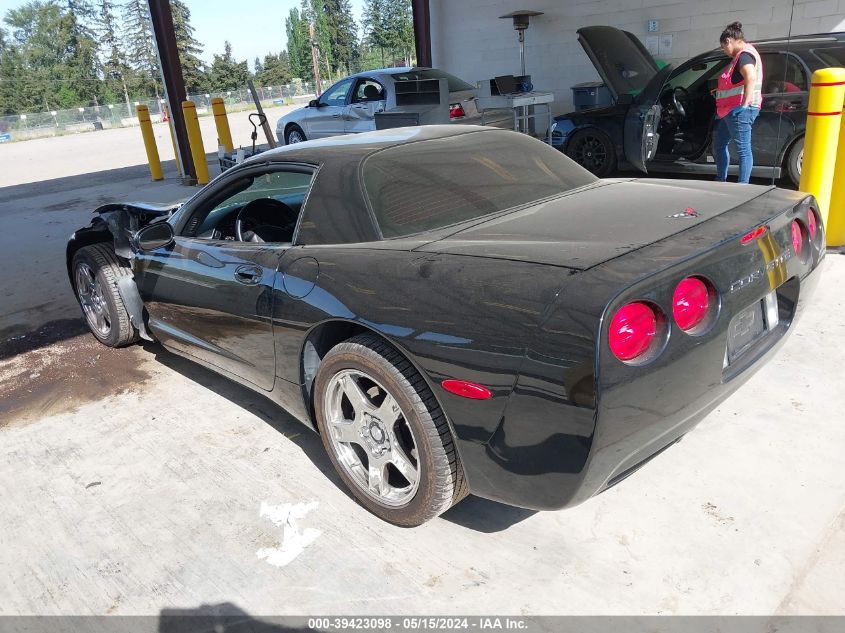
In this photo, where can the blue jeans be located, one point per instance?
(736, 127)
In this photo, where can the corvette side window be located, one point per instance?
(267, 203)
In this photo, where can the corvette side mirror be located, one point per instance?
(313, 103)
(154, 236)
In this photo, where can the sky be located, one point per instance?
(254, 27)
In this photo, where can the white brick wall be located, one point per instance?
(470, 41)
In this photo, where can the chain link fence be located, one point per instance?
(56, 122)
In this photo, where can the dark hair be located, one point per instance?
(732, 30)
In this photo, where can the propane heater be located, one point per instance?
(520, 23)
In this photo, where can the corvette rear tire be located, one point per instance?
(385, 433)
(96, 270)
(593, 150)
(294, 134)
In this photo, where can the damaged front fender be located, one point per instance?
(118, 223)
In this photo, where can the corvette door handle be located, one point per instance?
(248, 275)
(335, 116)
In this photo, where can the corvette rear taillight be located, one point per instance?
(797, 237)
(753, 235)
(690, 303)
(456, 111)
(632, 330)
(812, 223)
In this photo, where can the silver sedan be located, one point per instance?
(350, 105)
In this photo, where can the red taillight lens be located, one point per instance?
(797, 237)
(632, 330)
(690, 303)
(456, 111)
(753, 235)
(811, 222)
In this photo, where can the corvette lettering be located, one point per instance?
(757, 274)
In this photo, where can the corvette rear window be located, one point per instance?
(433, 184)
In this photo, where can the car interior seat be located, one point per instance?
(371, 93)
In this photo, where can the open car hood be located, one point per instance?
(619, 57)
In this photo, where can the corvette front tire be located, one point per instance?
(96, 270)
(385, 433)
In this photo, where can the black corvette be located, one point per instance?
(460, 310)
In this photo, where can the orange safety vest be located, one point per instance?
(729, 95)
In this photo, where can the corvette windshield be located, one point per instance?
(433, 184)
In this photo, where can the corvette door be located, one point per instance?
(209, 294)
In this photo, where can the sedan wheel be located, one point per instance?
(385, 432)
(794, 161)
(294, 135)
(593, 150)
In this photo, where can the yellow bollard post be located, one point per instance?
(835, 225)
(195, 141)
(222, 123)
(149, 142)
(827, 93)
(173, 141)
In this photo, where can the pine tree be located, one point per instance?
(139, 46)
(113, 61)
(275, 71)
(314, 13)
(188, 46)
(299, 46)
(257, 66)
(375, 26)
(389, 27)
(343, 35)
(226, 72)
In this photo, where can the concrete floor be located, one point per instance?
(133, 482)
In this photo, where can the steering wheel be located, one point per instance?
(679, 107)
(265, 220)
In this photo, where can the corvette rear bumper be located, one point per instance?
(543, 468)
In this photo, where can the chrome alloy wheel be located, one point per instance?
(371, 437)
(92, 300)
(295, 136)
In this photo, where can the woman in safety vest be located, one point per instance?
(738, 100)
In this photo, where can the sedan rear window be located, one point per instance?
(437, 183)
(455, 84)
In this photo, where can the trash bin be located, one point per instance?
(590, 94)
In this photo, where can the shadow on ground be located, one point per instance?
(472, 513)
(220, 618)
